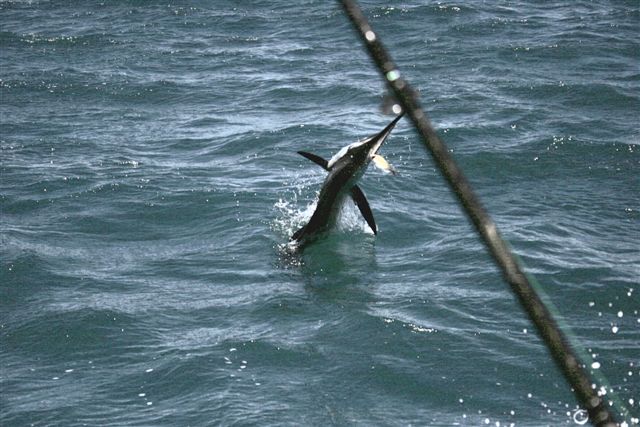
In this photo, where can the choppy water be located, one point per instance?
(149, 176)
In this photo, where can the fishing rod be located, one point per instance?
(599, 413)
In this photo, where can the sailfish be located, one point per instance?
(345, 170)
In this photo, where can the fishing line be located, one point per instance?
(523, 285)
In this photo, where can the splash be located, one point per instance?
(291, 217)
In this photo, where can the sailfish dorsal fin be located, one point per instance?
(315, 159)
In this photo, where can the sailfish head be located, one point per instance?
(357, 156)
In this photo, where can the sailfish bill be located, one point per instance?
(345, 169)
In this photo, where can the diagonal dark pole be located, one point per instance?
(552, 336)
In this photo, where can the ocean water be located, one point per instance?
(149, 179)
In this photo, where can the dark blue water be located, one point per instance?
(149, 178)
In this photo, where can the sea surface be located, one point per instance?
(149, 181)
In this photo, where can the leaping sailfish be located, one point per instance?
(345, 169)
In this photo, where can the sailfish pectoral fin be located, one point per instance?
(315, 159)
(363, 205)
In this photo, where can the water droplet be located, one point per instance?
(580, 417)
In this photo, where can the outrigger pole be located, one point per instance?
(552, 336)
